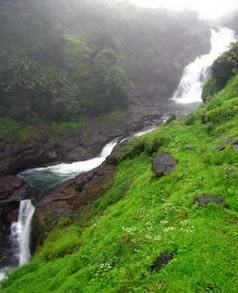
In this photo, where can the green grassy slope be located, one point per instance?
(142, 217)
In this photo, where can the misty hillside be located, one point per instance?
(60, 60)
(159, 216)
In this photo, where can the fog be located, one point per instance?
(207, 9)
(94, 57)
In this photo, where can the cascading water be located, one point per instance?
(190, 86)
(20, 237)
(49, 177)
(21, 232)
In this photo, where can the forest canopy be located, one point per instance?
(64, 59)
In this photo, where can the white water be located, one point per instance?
(62, 172)
(2, 276)
(143, 132)
(188, 91)
(21, 232)
(73, 169)
(194, 75)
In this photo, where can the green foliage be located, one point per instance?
(59, 62)
(210, 89)
(141, 217)
(230, 91)
(36, 85)
(223, 69)
(60, 128)
(225, 66)
(57, 245)
(46, 92)
(224, 112)
(10, 129)
(103, 83)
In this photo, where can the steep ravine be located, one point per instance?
(76, 196)
(166, 221)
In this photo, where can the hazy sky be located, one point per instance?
(207, 8)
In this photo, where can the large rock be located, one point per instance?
(16, 157)
(164, 164)
(205, 199)
(161, 261)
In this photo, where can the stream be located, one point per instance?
(185, 100)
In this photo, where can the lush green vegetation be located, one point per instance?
(12, 130)
(47, 75)
(142, 217)
(62, 60)
(222, 70)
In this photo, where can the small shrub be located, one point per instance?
(209, 89)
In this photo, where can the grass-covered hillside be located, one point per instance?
(142, 218)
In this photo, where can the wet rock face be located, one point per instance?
(77, 145)
(74, 198)
(205, 199)
(12, 188)
(18, 157)
(161, 261)
(164, 164)
(12, 191)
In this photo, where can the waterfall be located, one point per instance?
(49, 177)
(194, 75)
(2, 276)
(74, 169)
(107, 150)
(21, 232)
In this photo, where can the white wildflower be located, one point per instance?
(169, 229)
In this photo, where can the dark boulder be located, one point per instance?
(164, 164)
(205, 199)
(161, 261)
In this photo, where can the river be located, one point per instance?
(185, 100)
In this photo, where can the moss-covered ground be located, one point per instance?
(143, 217)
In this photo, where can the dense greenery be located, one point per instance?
(64, 59)
(46, 75)
(222, 70)
(142, 217)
